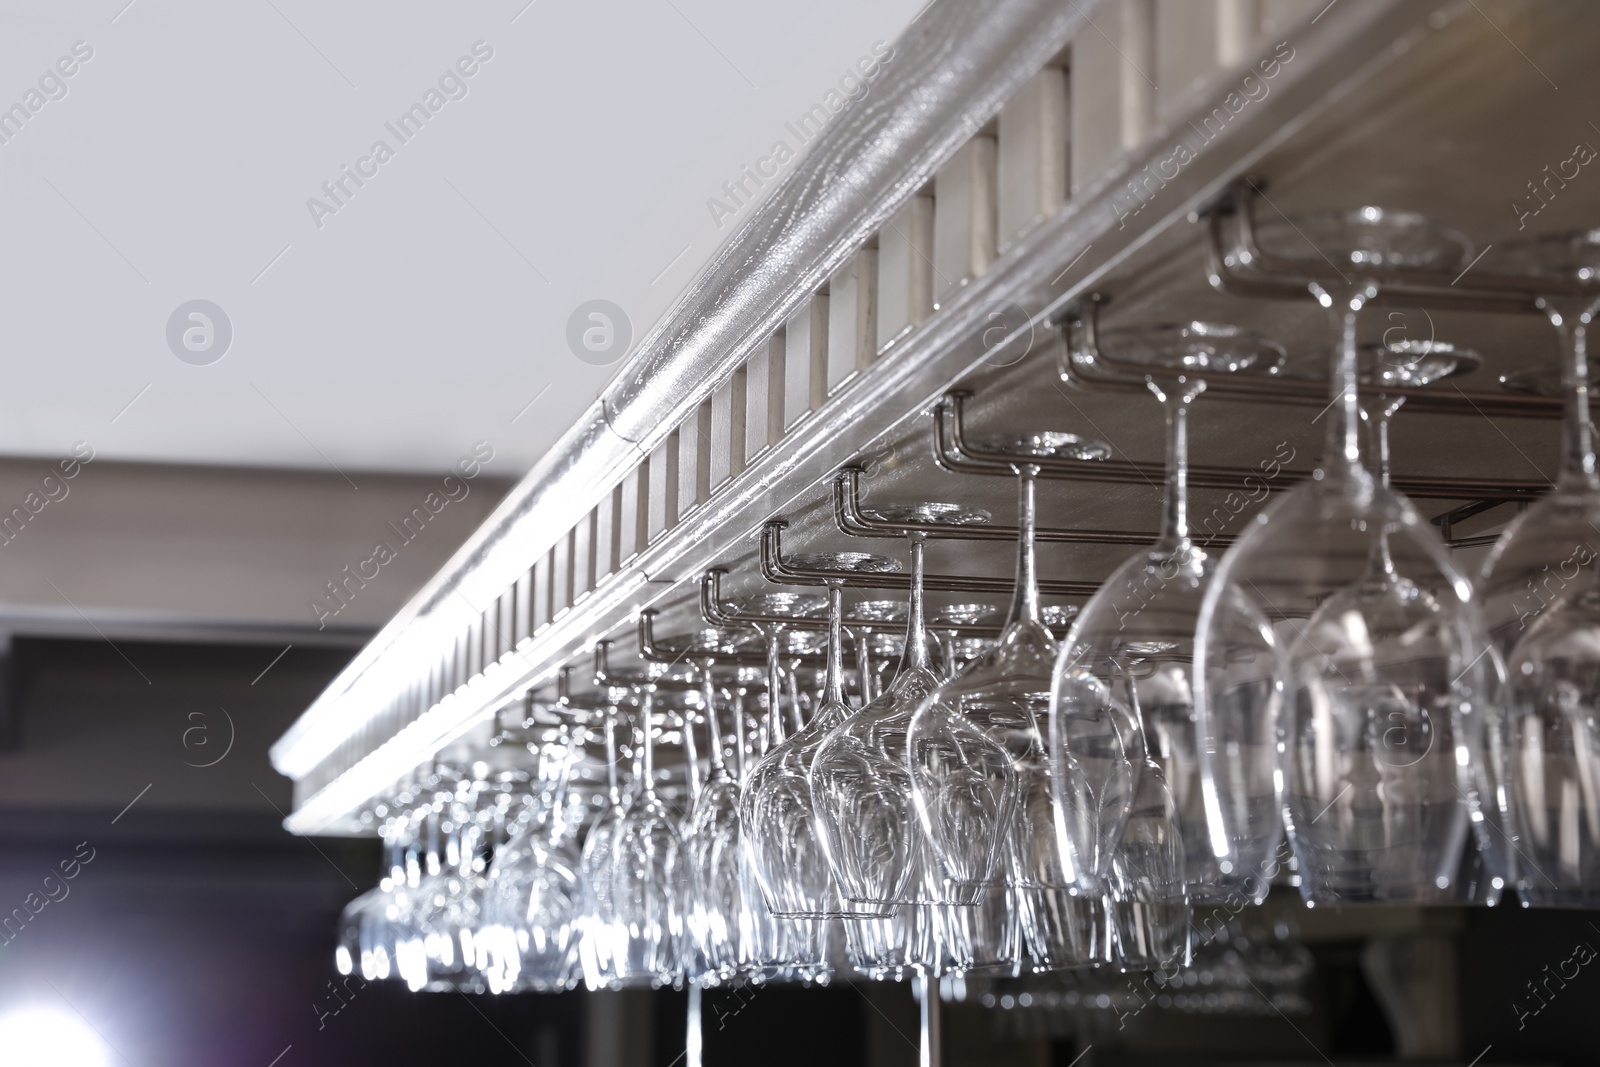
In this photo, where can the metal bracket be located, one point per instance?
(651, 652)
(1236, 265)
(606, 678)
(1082, 364)
(954, 453)
(776, 570)
(716, 613)
(854, 522)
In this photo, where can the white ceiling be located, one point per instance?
(433, 306)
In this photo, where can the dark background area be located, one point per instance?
(201, 933)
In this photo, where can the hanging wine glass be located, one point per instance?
(716, 901)
(1542, 594)
(976, 748)
(1483, 872)
(440, 954)
(788, 851)
(367, 925)
(598, 932)
(985, 938)
(861, 788)
(382, 932)
(1382, 682)
(1145, 612)
(533, 899)
(648, 873)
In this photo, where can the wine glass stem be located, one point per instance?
(739, 734)
(1025, 597)
(929, 1054)
(691, 756)
(1571, 321)
(1344, 422)
(708, 694)
(647, 703)
(1380, 430)
(833, 692)
(612, 786)
(774, 692)
(915, 657)
(863, 643)
(1175, 406)
(797, 716)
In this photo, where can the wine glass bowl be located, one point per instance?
(1194, 347)
(1047, 444)
(1365, 237)
(881, 612)
(1414, 363)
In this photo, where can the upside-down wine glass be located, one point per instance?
(861, 790)
(441, 955)
(1415, 364)
(1381, 681)
(976, 748)
(861, 794)
(862, 622)
(717, 901)
(533, 899)
(979, 756)
(648, 871)
(787, 847)
(1542, 591)
(597, 928)
(800, 607)
(772, 947)
(1126, 735)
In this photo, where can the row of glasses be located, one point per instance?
(1053, 805)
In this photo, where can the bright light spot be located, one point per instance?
(37, 1036)
(342, 960)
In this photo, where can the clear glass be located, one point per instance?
(861, 787)
(787, 848)
(533, 899)
(717, 900)
(1379, 670)
(977, 748)
(599, 933)
(648, 875)
(1123, 705)
(800, 607)
(1542, 603)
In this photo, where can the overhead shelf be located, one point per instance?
(949, 232)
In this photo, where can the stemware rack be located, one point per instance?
(952, 269)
